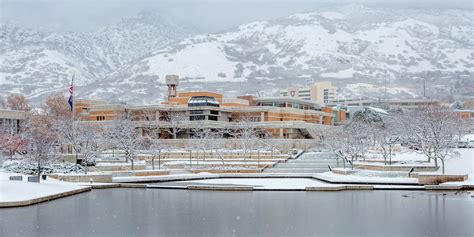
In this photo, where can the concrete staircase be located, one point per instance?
(309, 162)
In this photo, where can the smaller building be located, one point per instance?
(466, 114)
(393, 103)
(11, 120)
(320, 92)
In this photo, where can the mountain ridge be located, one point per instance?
(347, 45)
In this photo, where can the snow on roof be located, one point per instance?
(378, 110)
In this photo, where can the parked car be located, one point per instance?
(90, 162)
(462, 144)
(416, 147)
(470, 144)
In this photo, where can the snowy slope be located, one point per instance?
(383, 45)
(38, 63)
(348, 45)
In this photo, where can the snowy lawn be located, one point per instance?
(462, 164)
(14, 191)
(364, 178)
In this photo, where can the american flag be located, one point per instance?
(71, 90)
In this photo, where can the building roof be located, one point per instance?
(12, 114)
(287, 99)
(202, 101)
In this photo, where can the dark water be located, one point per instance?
(154, 212)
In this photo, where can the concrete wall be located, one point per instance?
(434, 179)
(97, 178)
(283, 144)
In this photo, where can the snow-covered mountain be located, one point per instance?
(36, 63)
(348, 45)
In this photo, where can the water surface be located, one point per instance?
(155, 212)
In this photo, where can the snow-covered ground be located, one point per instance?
(463, 163)
(330, 176)
(17, 191)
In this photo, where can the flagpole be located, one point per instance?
(72, 117)
(73, 99)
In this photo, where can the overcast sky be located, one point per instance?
(203, 15)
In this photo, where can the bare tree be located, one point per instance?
(246, 133)
(90, 142)
(156, 148)
(11, 143)
(41, 140)
(123, 134)
(355, 141)
(174, 122)
(17, 102)
(387, 135)
(434, 129)
(218, 143)
(68, 134)
(332, 138)
(203, 139)
(154, 145)
(56, 105)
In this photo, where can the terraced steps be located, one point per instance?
(310, 162)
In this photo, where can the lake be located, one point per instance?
(163, 212)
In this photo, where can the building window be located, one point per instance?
(214, 112)
(196, 112)
(213, 118)
(100, 118)
(197, 117)
(203, 101)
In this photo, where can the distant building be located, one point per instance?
(321, 92)
(394, 103)
(469, 103)
(466, 114)
(10, 120)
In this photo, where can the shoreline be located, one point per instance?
(198, 183)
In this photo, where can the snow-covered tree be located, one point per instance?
(246, 133)
(123, 134)
(90, 142)
(434, 129)
(332, 138)
(219, 148)
(41, 140)
(68, 134)
(155, 149)
(11, 143)
(203, 139)
(458, 104)
(387, 135)
(174, 122)
(355, 140)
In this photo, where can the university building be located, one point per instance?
(320, 92)
(279, 117)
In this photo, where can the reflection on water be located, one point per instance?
(154, 212)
